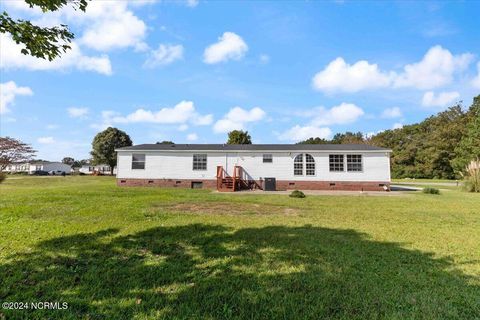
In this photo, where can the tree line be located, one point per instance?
(440, 146)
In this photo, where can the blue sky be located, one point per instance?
(189, 71)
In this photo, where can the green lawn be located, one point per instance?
(149, 253)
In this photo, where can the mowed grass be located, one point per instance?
(150, 253)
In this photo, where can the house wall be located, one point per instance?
(178, 165)
(53, 166)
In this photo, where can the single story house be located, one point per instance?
(263, 166)
(91, 169)
(31, 167)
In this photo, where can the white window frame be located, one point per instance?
(342, 156)
(268, 157)
(354, 163)
(137, 161)
(197, 162)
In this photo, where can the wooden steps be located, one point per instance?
(226, 183)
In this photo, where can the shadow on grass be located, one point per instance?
(204, 271)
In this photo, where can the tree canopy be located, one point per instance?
(439, 147)
(41, 42)
(239, 137)
(13, 150)
(105, 143)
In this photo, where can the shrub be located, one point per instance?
(431, 190)
(2, 176)
(297, 194)
(471, 176)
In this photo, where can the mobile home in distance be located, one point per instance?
(257, 166)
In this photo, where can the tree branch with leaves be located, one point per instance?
(13, 150)
(42, 42)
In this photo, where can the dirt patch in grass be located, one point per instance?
(225, 208)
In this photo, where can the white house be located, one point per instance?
(31, 167)
(267, 166)
(92, 169)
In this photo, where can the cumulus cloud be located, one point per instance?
(236, 119)
(436, 69)
(230, 46)
(476, 80)
(8, 91)
(391, 113)
(110, 25)
(339, 76)
(46, 140)
(298, 133)
(163, 55)
(430, 99)
(77, 112)
(182, 113)
(192, 3)
(341, 114)
(11, 58)
(192, 137)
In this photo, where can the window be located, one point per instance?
(336, 162)
(354, 162)
(267, 158)
(138, 161)
(298, 165)
(309, 165)
(199, 162)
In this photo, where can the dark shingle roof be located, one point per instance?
(253, 147)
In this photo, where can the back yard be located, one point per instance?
(147, 253)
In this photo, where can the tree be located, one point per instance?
(41, 42)
(316, 140)
(239, 137)
(13, 150)
(105, 143)
(469, 147)
(68, 160)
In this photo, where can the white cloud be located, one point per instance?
(165, 54)
(52, 126)
(11, 58)
(192, 3)
(476, 80)
(192, 137)
(182, 113)
(339, 76)
(46, 140)
(183, 127)
(298, 133)
(391, 113)
(230, 46)
(111, 25)
(341, 114)
(397, 125)
(436, 69)
(264, 58)
(236, 119)
(8, 91)
(441, 100)
(77, 112)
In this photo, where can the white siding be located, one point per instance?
(178, 165)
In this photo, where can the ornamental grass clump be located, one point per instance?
(471, 176)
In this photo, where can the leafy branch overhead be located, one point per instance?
(41, 42)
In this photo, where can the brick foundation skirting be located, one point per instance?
(281, 184)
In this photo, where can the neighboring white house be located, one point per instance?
(270, 167)
(31, 167)
(91, 169)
